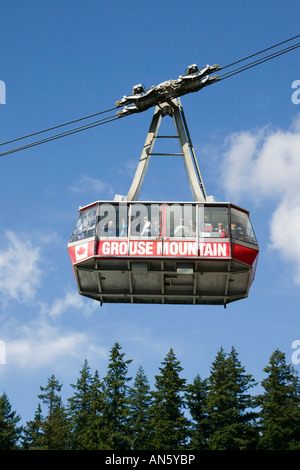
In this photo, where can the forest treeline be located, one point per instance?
(118, 412)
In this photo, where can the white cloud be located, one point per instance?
(127, 167)
(265, 165)
(285, 229)
(71, 302)
(39, 344)
(42, 340)
(92, 185)
(20, 275)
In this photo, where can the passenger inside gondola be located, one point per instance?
(146, 231)
(145, 221)
(156, 228)
(123, 228)
(222, 232)
(111, 229)
(237, 232)
(85, 225)
(181, 230)
(192, 228)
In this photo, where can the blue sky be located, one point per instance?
(64, 60)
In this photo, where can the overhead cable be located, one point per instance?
(63, 134)
(257, 62)
(260, 52)
(57, 126)
(193, 81)
(115, 117)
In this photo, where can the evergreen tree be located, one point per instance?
(95, 432)
(9, 431)
(54, 426)
(169, 426)
(196, 397)
(80, 410)
(140, 403)
(280, 406)
(115, 431)
(231, 421)
(33, 437)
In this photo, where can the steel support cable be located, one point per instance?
(260, 52)
(109, 119)
(56, 127)
(63, 134)
(257, 62)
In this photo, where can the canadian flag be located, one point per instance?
(81, 251)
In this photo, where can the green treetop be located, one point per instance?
(9, 431)
(169, 425)
(280, 406)
(231, 421)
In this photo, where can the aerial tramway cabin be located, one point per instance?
(163, 253)
(158, 252)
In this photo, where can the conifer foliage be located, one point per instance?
(229, 405)
(140, 399)
(116, 413)
(9, 420)
(121, 413)
(169, 425)
(280, 406)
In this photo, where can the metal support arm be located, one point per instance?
(172, 108)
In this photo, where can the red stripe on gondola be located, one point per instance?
(243, 253)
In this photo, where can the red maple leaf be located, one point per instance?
(81, 251)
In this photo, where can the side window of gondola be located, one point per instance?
(241, 228)
(145, 220)
(122, 228)
(180, 220)
(85, 225)
(112, 220)
(213, 221)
